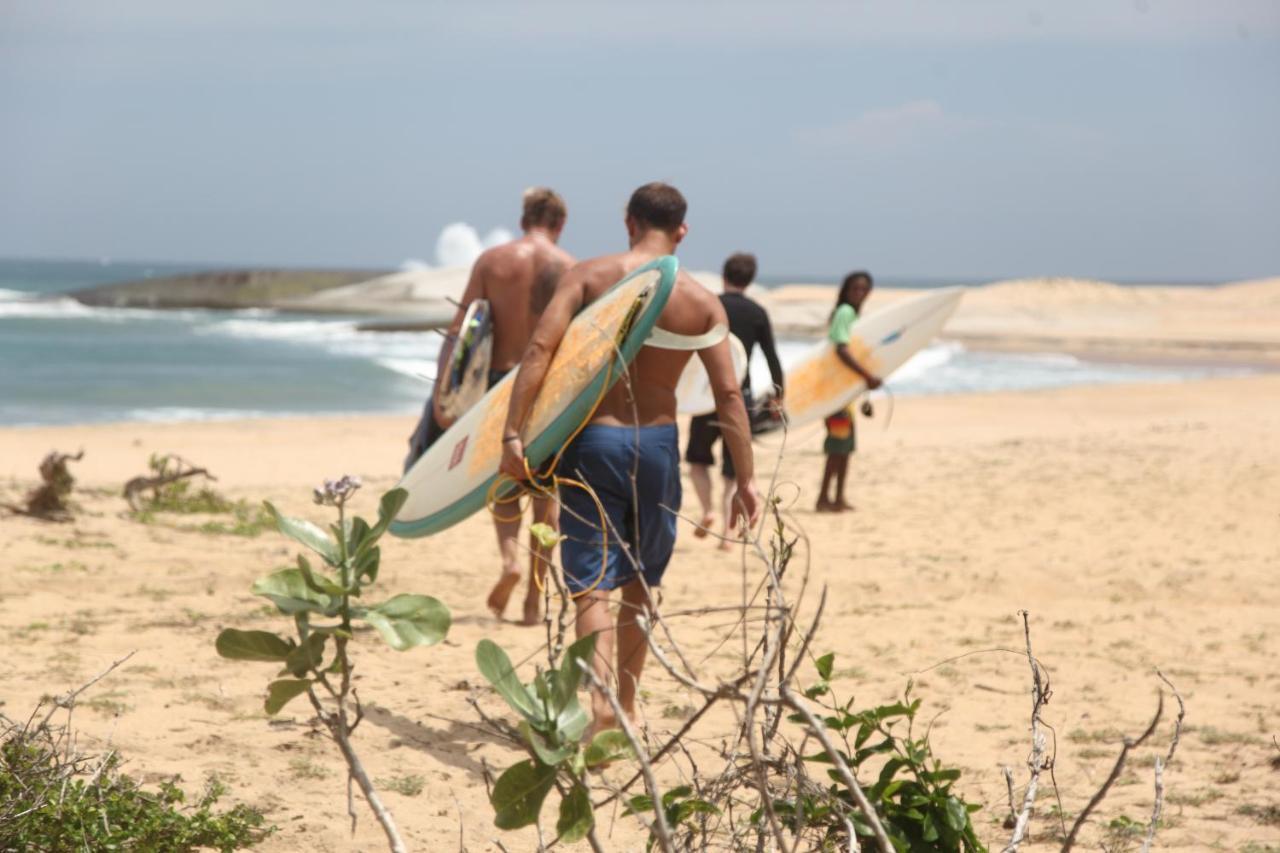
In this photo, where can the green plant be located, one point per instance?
(110, 811)
(53, 797)
(322, 604)
(680, 806)
(169, 485)
(410, 785)
(912, 793)
(1121, 832)
(551, 727)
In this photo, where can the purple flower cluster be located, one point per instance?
(336, 492)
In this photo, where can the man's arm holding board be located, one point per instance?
(731, 412)
(568, 299)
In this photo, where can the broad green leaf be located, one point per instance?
(685, 809)
(405, 621)
(571, 719)
(546, 535)
(518, 794)
(928, 828)
(569, 674)
(576, 817)
(824, 665)
(388, 506)
(955, 815)
(608, 745)
(288, 590)
(639, 804)
(252, 645)
(306, 656)
(366, 564)
(495, 666)
(306, 533)
(317, 582)
(545, 746)
(676, 793)
(280, 693)
(332, 631)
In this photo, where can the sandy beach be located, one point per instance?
(1137, 524)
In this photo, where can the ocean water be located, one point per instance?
(63, 362)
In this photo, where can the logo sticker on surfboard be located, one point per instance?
(459, 450)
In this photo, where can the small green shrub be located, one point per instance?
(47, 804)
(912, 792)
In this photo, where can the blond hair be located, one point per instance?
(543, 208)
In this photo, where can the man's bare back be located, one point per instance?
(648, 396)
(518, 279)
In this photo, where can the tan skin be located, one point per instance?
(700, 475)
(518, 279)
(646, 397)
(836, 468)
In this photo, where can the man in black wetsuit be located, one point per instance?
(749, 322)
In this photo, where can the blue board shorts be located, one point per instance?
(605, 457)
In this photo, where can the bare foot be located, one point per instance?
(701, 531)
(501, 592)
(532, 610)
(600, 723)
(825, 505)
(842, 506)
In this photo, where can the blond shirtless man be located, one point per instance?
(633, 433)
(519, 279)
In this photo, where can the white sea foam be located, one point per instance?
(181, 414)
(66, 308)
(416, 368)
(44, 308)
(317, 332)
(927, 359)
(407, 353)
(7, 295)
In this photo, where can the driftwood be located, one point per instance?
(48, 501)
(163, 477)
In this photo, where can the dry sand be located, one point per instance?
(1138, 524)
(1237, 321)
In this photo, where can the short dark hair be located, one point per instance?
(740, 269)
(657, 205)
(543, 208)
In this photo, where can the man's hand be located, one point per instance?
(513, 459)
(746, 507)
(873, 382)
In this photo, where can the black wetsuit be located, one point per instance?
(749, 322)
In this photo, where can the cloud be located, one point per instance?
(887, 128)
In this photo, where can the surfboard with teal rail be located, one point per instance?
(450, 481)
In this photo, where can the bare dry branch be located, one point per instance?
(1129, 745)
(1161, 765)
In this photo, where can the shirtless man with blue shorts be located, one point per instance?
(633, 431)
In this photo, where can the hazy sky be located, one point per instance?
(1113, 138)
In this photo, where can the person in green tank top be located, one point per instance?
(841, 438)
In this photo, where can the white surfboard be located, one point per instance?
(466, 376)
(693, 392)
(452, 478)
(821, 384)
